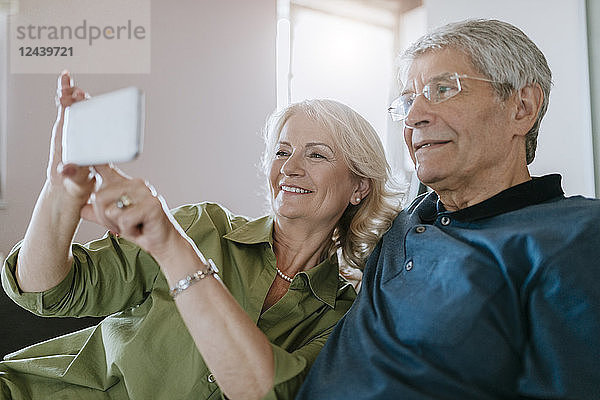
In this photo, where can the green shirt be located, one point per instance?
(143, 349)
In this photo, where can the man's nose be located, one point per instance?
(420, 114)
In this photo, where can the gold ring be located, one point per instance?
(124, 201)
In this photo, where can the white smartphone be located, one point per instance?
(108, 128)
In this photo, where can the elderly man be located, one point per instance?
(488, 287)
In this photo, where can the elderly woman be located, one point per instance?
(202, 303)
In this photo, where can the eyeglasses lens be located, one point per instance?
(435, 91)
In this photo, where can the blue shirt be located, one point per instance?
(500, 300)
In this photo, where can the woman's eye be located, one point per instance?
(281, 153)
(316, 155)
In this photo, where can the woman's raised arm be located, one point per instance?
(45, 257)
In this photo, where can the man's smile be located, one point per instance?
(429, 144)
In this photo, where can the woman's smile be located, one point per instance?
(294, 189)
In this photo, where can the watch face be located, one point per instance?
(183, 284)
(210, 269)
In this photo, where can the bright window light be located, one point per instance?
(343, 59)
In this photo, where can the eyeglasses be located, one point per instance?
(437, 90)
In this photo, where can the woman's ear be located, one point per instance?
(362, 189)
(528, 101)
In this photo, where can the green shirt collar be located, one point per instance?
(323, 280)
(253, 232)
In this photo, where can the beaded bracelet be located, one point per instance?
(189, 280)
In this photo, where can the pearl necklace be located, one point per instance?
(284, 276)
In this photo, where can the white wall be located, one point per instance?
(212, 83)
(593, 15)
(558, 27)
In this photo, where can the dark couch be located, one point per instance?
(20, 328)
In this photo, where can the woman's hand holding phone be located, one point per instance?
(76, 182)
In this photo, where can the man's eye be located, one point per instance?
(445, 89)
(407, 100)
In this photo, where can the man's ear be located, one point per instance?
(528, 101)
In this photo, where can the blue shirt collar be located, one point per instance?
(535, 191)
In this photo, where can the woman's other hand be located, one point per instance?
(132, 208)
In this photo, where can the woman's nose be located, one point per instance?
(293, 166)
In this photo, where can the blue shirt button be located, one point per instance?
(409, 265)
(420, 229)
(445, 220)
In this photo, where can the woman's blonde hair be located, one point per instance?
(361, 226)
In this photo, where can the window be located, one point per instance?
(5, 9)
(346, 50)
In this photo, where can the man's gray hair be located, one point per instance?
(501, 52)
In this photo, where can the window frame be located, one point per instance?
(3, 103)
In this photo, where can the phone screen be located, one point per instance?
(104, 129)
